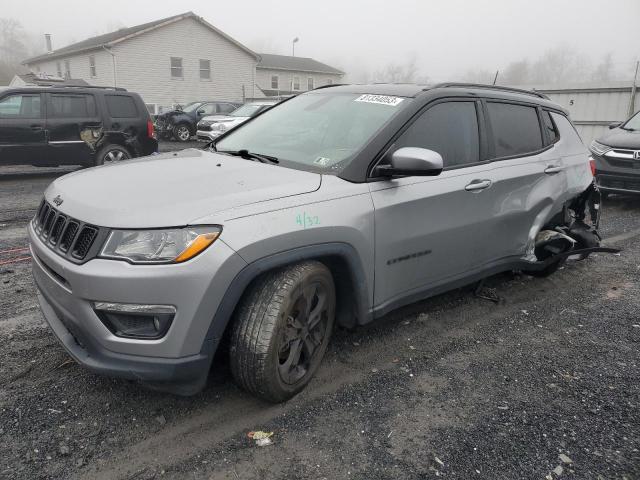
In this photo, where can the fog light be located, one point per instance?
(135, 320)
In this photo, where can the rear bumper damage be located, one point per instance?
(571, 233)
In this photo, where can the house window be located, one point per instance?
(176, 67)
(329, 81)
(92, 66)
(59, 69)
(67, 69)
(296, 83)
(274, 82)
(310, 83)
(205, 69)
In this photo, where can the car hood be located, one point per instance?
(173, 189)
(620, 138)
(214, 118)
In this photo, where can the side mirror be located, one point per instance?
(200, 112)
(412, 161)
(614, 125)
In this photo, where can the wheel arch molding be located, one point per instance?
(342, 259)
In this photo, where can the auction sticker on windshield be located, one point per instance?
(381, 99)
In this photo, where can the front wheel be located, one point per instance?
(181, 132)
(282, 329)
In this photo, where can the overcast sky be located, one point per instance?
(447, 37)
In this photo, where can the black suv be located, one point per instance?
(617, 157)
(47, 126)
(180, 123)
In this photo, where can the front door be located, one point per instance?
(74, 127)
(22, 129)
(426, 227)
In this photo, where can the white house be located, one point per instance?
(181, 59)
(170, 61)
(284, 75)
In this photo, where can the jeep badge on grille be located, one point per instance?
(58, 200)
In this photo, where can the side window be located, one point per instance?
(274, 82)
(207, 109)
(550, 128)
(72, 106)
(449, 128)
(20, 106)
(121, 106)
(226, 108)
(516, 129)
(296, 83)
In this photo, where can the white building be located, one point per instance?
(284, 75)
(176, 60)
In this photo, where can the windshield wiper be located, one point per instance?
(628, 129)
(247, 155)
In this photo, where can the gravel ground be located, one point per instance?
(544, 384)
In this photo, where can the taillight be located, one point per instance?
(592, 164)
(150, 131)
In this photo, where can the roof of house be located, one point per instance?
(109, 39)
(299, 64)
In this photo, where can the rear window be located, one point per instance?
(72, 106)
(549, 127)
(121, 106)
(516, 129)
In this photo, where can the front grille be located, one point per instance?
(68, 237)
(205, 127)
(83, 243)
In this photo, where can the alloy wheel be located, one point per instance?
(304, 332)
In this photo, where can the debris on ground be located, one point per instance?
(261, 438)
(564, 459)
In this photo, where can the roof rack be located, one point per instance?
(330, 85)
(118, 89)
(489, 87)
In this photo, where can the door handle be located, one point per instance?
(36, 128)
(478, 185)
(553, 169)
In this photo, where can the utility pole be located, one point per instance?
(634, 89)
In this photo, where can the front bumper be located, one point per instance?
(207, 135)
(618, 183)
(182, 357)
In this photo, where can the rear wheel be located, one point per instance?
(112, 154)
(282, 329)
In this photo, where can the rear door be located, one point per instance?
(22, 129)
(125, 117)
(427, 228)
(74, 126)
(528, 174)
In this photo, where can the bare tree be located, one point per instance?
(15, 46)
(604, 71)
(397, 72)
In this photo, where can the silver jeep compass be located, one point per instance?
(334, 207)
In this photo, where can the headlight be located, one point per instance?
(219, 127)
(174, 245)
(598, 148)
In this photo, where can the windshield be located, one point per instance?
(315, 131)
(190, 107)
(633, 123)
(248, 110)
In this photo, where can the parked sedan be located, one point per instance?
(180, 124)
(213, 126)
(617, 157)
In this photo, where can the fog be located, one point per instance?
(440, 40)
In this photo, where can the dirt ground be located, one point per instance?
(544, 384)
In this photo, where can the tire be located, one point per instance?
(181, 132)
(547, 271)
(112, 153)
(274, 351)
